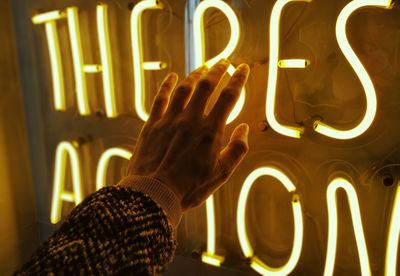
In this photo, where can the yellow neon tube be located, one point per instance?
(393, 239)
(357, 225)
(199, 43)
(154, 65)
(48, 16)
(209, 255)
(293, 63)
(248, 252)
(92, 68)
(199, 46)
(65, 149)
(290, 131)
(66, 196)
(358, 69)
(212, 259)
(106, 61)
(103, 164)
(77, 57)
(56, 66)
(137, 53)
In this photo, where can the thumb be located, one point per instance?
(234, 152)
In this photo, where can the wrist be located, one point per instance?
(159, 192)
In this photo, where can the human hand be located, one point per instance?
(182, 147)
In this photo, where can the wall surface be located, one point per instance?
(328, 90)
(18, 227)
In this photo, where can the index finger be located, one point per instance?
(229, 95)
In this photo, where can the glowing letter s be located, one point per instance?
(65, 149)
(358, 68)
(256, 263)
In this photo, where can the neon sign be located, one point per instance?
(70, 150)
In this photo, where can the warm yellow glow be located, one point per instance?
(335, 184)
(106, 61)
(248, 252)
(156, 65)
(103, 164)
(393, 239)
(358, 69)
(293, 63)
(65, 149)
(199, 43)
(56, 66)
(290, 131)
(53, 44)
(92, 68)
(137, 52)
(67, 196)
(211, 259)
(77, 57)
(210, 225)
(47, 16)
(209, 255)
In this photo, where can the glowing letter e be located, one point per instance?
(357, 224)
(248, 251)
(358, 68)
(274, 63)
(137, 51)
(199, 43)
(59, 194)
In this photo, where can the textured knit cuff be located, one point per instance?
(157, 191)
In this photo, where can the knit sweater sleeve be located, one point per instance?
(115, 231)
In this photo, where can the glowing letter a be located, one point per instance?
(65, 149)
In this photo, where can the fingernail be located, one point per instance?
(224, 61)
(243, 68)
(203, 68)
(246, 129)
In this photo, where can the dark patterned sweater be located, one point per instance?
(119, 230)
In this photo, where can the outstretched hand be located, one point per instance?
(182, 147)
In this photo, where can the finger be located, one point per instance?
(234, 152)
(184, 90)
(161, 100)
(229, 95)
(206, 86)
